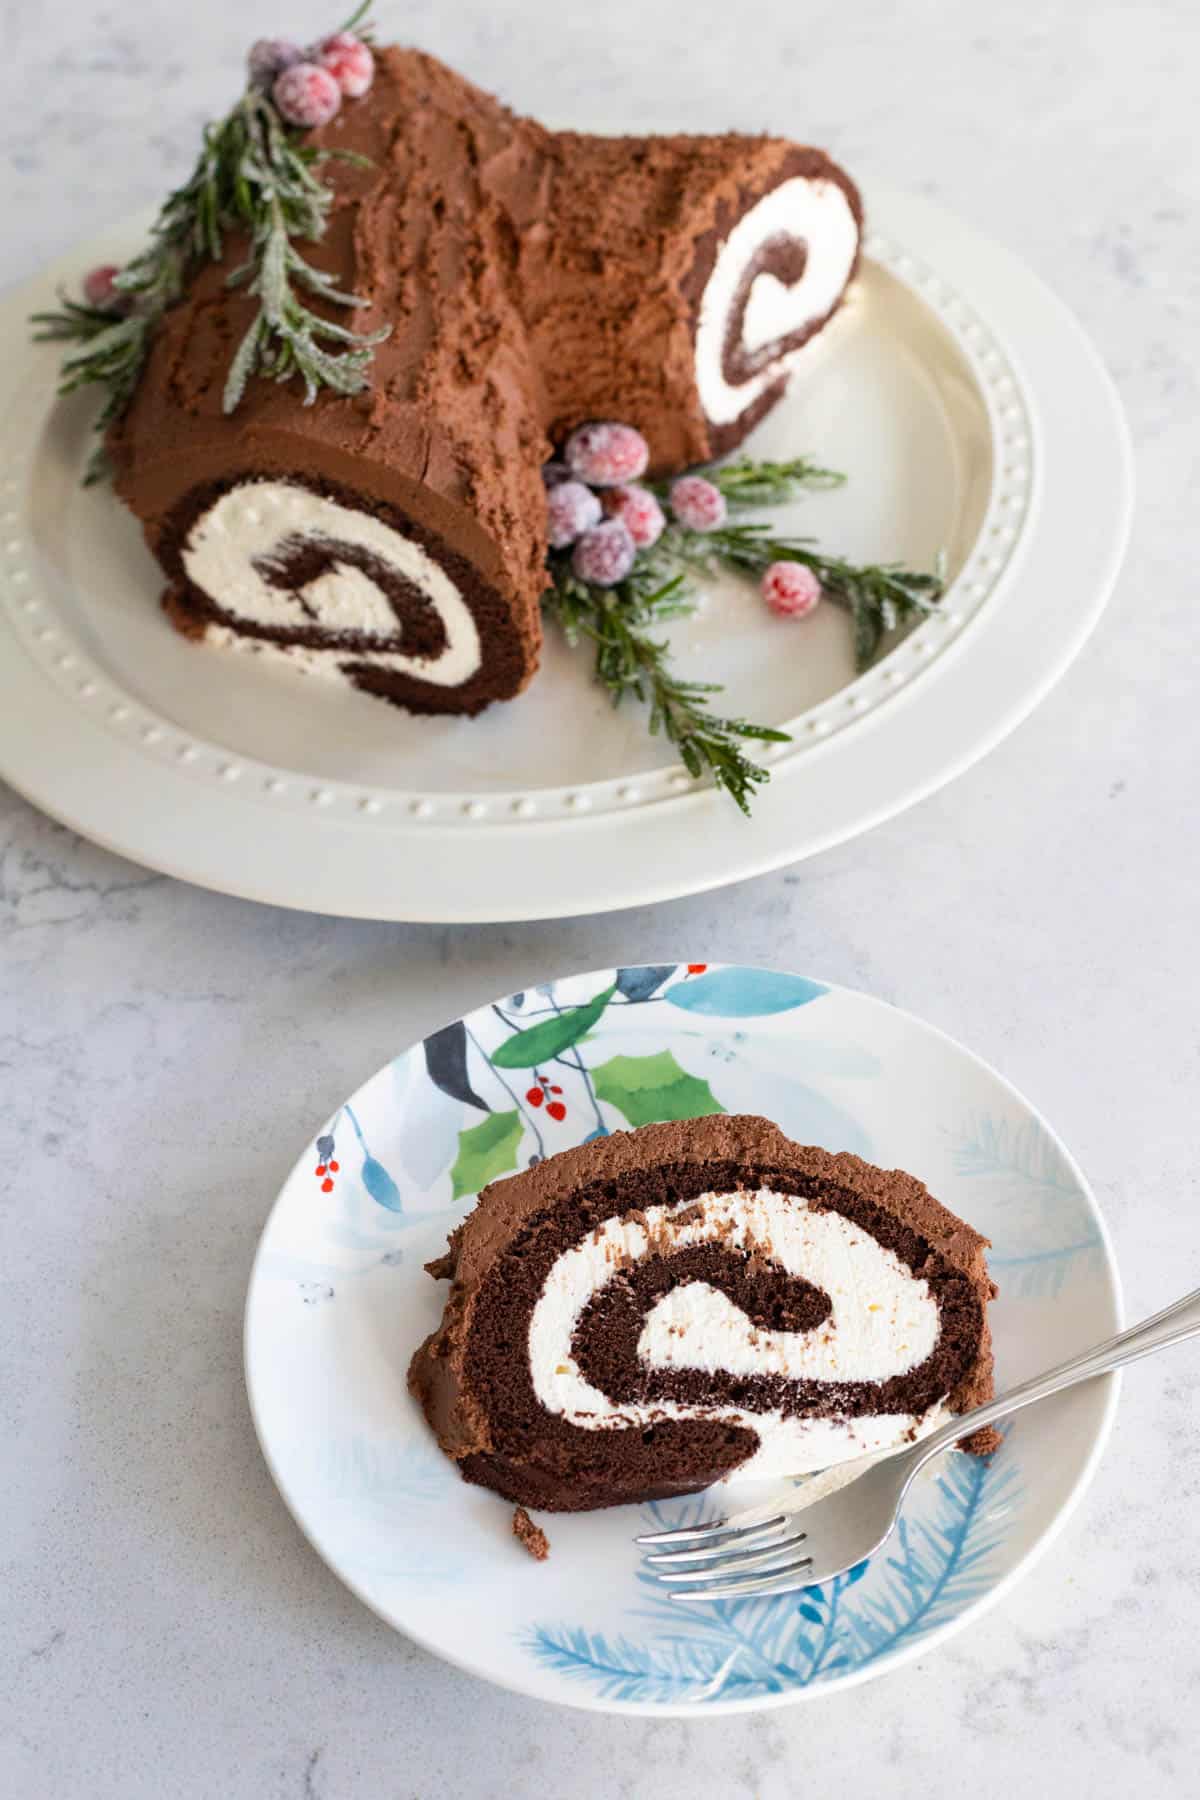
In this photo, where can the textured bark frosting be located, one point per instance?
(676, 1423)
(531, 280)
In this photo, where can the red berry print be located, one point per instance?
(535, 1096)
(697, 968)
(557, 1110)
(306, 95)
(327, 1186)
(555, 1090)
(333, 1168)
(320, 1169)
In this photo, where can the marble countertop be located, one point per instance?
(164, 1628)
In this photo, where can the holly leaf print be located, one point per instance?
(542, 1043)
(485, 1151)
(646, 1088)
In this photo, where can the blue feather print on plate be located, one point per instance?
(1043, 1230)
(936, 1566)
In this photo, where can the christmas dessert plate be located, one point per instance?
(340, 1299)
(973, 422)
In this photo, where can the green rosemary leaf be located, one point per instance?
(253, 176)
(748, 483)
(880, 597)
(633, 665)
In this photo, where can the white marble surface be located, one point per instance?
(164, 1630)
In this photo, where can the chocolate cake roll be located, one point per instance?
(395, 539)
(644, 1315)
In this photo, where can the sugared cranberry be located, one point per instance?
(791, 590)
(269, 57)
(99, 290)
(604, 555)
(697, 504)
(603, 454)
(639, 511)
(306, 95)
(571, 509)
(350, 63)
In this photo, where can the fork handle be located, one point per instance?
(1171, 1326)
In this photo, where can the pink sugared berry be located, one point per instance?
(554, 473)
(99, 291)
(639, 511)
(604, 555)
(571, 509)
(349, 61)
(604, 454)
(269, 57)
(306, 95)
(697, 504)
(791, 590)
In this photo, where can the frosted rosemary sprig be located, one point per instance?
(277, 197)
(607, 589)
(112, 350)
(748, 483)
(255, 177)
(630, 663)
(878, 596)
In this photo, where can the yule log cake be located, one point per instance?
(530, 280)
(646, 1314)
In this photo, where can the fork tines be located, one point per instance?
(723, 1559)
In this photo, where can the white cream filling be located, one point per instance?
(255, 521)
(818, 213)
(883, 1322)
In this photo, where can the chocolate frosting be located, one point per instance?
(531, 280)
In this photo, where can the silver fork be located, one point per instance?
(749, 1553)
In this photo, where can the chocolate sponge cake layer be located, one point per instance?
(530, 280)
(635, 1318)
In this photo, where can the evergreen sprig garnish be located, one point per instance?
(111, 353)
(747, 483)
(619, 621)
(256, 177)
(878, 596)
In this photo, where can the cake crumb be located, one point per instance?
(531, 1536)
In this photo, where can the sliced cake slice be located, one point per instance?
(644, 1315)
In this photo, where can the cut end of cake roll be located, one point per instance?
(656, 1310)
(682, 280)
(767, 280)
(319, 578)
